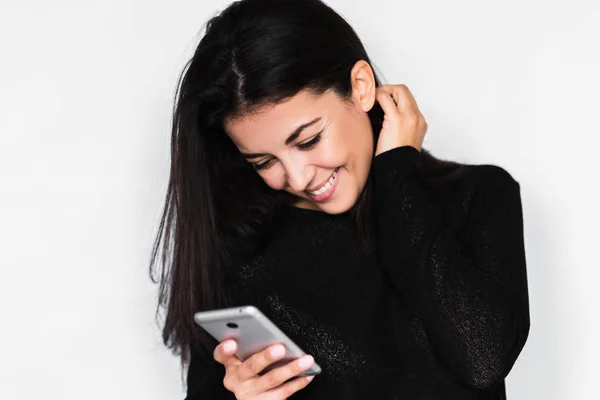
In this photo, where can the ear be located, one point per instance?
(362, 80)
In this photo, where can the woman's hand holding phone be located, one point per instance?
(242, 377)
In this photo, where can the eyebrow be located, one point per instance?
(293, 136)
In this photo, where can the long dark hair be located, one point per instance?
(218, 211)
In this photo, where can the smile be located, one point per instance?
(327, 189)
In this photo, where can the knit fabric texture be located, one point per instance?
(437, 309)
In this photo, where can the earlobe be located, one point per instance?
(369, 101)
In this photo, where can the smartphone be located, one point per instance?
(253, 332)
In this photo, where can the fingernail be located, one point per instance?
(309, 378)
(277, 351)
(305, 361)
(229, 346)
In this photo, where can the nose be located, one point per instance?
(298, 176)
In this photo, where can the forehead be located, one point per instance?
(271, 125)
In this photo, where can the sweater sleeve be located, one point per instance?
(472, 297)
(205, 377)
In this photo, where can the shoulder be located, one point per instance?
(496, 174)
(472, 189)
(488, 190)
(493, 180)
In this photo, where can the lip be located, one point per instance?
(322, 183)
(328, 193)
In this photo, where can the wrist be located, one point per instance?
(383, 149)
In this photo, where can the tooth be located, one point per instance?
(326, 186)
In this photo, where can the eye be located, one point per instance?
(311, 143)
(302, 146)
(262, 165)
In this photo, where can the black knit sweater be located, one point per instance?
(438, 309)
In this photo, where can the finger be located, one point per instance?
(409, 100)
(225, 353)
(391, 90)
(280, 375)
(405, 101)
(387, 103)
(259, 361)
(288, 389)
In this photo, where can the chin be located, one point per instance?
(339, 206)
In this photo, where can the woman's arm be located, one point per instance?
(472, 298)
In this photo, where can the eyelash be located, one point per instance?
(311, 143)
(303, 146)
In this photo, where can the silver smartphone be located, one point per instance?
(253, 332)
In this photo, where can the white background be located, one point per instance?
(86, 92)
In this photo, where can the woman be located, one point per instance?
(299, 185)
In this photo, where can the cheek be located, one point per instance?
(333, 152)
(354, 146)
(360, 139)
